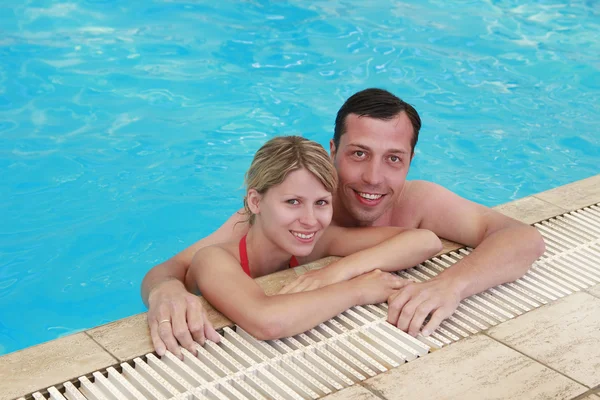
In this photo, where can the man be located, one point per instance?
(372, 148)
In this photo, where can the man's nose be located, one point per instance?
(372, 173)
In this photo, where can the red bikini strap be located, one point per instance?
(293, 262)
(244, 256)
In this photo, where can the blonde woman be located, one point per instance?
(289, 206)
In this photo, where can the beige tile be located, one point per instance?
(590, 397)
(530, 210)
(563, 335)
(449, 246)
(126, 338)
(477, 367)
(594, 291)
(355, 392)
(574, 195)
(50, 363)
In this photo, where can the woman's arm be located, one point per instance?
(222, 282)
(366, 249)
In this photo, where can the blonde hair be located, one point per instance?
(282, 155)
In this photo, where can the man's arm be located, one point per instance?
(503, 251)
(164, 292)
(387, 248)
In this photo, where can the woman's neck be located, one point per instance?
(264, 256)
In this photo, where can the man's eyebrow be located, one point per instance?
(397, 151)
(362, 146)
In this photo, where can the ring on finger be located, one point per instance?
(164, 320)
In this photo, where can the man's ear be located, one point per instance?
(253, 198)
(332, 150)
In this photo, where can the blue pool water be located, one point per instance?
(126, 127)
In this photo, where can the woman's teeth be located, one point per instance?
(303, 235)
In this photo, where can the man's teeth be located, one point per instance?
(370, 196)
(303, 236)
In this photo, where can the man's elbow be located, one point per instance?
(538, 246)
(431, 243)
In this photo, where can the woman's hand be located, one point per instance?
(314, 279)
(377, 286)
(176, 316)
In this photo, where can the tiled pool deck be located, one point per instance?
(552, 352)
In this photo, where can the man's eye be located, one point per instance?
(395, 159)
(359, 154)
(293, 202)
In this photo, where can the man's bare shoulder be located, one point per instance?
(420, 193)
(416, 199)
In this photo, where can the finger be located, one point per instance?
(397, 282)
(291, 286)
(419, 316)
(436, 319)
(302, 286)
(286, 288)
(395, 304)
(209, 331)
(195, 324)
(165, 332)
(157, 342)
(180, 327)
(407, 313)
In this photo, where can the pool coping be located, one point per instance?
(66, 358)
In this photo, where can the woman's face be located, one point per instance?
(295, 213)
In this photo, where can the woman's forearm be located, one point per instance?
(289, 314)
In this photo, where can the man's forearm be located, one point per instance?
(168, 270)
(503, 256)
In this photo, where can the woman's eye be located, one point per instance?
(293, 202)
(322, 202)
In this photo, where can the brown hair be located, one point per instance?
(378, 104)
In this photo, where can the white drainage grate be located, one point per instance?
(355, 345)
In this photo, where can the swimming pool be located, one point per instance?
(126, 128)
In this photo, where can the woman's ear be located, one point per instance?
(253, 199)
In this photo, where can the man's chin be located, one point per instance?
(364, 216)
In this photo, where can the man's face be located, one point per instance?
(372, 161)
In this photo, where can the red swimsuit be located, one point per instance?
(244, 257)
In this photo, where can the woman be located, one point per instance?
(288, 202)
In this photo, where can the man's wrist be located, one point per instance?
(458, 284)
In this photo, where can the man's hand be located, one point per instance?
(410, 306)
(376, 286)
(176, 315)
(314, 279)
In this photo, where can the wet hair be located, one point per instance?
(282, 155)
(378, 104)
